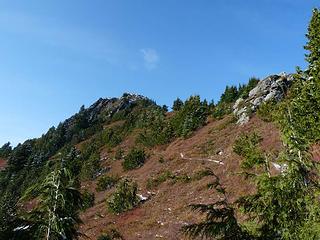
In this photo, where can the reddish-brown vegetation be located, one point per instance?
(167, 210)
(3, 163)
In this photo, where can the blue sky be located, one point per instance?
(57, 55)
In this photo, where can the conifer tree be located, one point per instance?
(313, 44)
(56, 215)
(177, 104)
(220, 222)
(301, 118)
(5, 150)
(286, 205)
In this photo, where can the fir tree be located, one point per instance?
(286, 205)
(220, 222)
(177, 104)
(56, 215)
(5, 150)
(313, 44)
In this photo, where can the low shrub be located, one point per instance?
(106, 182)
(87, 200)
(90, 167)
(124, 198)
(118, 154)
(161, 159)
(201, 174)
(134, 159)
(247, 146)
(161, 178)
(113, 234)
(267, 110)
(168, 175)
(222, 109)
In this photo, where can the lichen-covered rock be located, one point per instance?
(271, 88)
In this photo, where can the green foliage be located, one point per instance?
(299, 114)
(156, 130)
(161, 178)
(5, 150)
(134, 159)
(190, 117)
(220, 221)
(90, 166)
(124, 198)
(56, 215)
(246, 146)
(168, 175)
(118, 154)
(298, 187)
(230, 95)
(106, 182)
(111, 137)
(267, 111)
(111, 235)
(313, 44)
(20, 157)
(177, 104)
(87, 200)
(165, 108)
(243, 90)
(222, 109)
(201, 174)
(28, 163)
(8, 212)
(272, 206)
(161, 159)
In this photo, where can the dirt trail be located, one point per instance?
(167, 211)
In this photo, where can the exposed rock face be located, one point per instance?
(113, 105)
(103, 109)
(272, 87)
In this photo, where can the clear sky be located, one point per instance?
(56, 55)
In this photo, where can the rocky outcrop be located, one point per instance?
(108, 107)
(104, 109)
(271, 88)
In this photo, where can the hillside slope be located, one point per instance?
(167, 210)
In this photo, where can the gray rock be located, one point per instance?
(271, 88)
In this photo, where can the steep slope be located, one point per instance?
(174, 174)
(167, 210)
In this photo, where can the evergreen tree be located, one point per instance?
(177, 104)
(286, 205)
(313, 44)
(8, 219)
(190, 117)
(5, 150)
(56, 215)
(230, 94)
(300, 113)
(220, 222)
(246, 88)
(165, 108)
